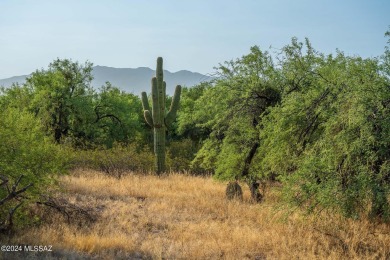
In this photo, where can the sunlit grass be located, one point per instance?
(185, 217)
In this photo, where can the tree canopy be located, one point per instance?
(317, 123)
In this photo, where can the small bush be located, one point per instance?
(234, 191)
(116, 160)
(180, 154)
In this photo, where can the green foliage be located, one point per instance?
(16, 96)
(62, 98)
(72, 112)
(180, 154)
(24, 151)
(328, 139)
(188, 125)
(56, 111)
(117, 117)
(157, 117)
(385, 61)
(231, 110)
(317, 123)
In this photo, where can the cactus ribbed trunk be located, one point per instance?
(159, 149)
(157, 118)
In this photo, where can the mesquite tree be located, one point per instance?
(157, 117)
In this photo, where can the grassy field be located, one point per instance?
(184, 217)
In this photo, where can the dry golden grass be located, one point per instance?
(184, 217)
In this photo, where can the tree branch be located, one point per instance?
(13, 193)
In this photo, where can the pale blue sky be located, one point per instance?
(190, 35)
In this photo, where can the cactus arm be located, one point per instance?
(145, 102)
(170, 117)
(146, 108)
(148, 117)
(165, 94)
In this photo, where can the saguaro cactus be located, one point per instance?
(157, 118)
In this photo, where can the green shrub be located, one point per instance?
(28, 163)
(180, 154)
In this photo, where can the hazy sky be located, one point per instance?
(192, 35)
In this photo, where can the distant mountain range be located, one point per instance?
(131, 80)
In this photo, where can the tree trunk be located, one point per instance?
(253, 185)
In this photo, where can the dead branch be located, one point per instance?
(13, 193)
(68, 210)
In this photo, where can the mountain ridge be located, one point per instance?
(132, 80)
